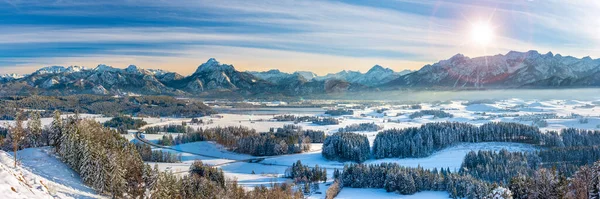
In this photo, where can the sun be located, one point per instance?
(482, 33)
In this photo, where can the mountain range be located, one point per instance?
(213, 79)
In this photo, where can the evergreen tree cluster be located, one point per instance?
(326, 121)
(315, 136)
(503, 165)
(269, 144)
(412, 106)
(125, 122)
(361, 127)
(435, 113)
(166, 140)
(499, 166)
(346, 147)
(405, 180)
(339, 112)
(303, 174)
(294, 118)
(431, 137)
(104, 159)
(546, 183)
(150, 155)
(170, 128)
(245, 140)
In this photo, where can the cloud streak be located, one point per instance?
(290, 35)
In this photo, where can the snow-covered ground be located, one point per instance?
(348, 193)
(42, 165)
(40, 175)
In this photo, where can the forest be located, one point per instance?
(154, 106)
(431, 137)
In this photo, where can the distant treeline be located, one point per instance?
(155, 106)
(313, 119)
(326, 121)
(431, 137)
(361, 127)
(123, 123)
(294, 118)
(435, 113)
(170, 128)
(338, 112)
(287, 140)
(150, 155)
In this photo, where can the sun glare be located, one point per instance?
(482, 33)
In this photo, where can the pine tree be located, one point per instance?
(56, 130)
(34, 127)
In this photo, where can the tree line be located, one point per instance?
(361, 127)
(150, 155)
(155, 106)
(431, 137)
(169, 128)
(123, 123)
(339, 112)
(502, 166)
(435, 113)
(405, 180)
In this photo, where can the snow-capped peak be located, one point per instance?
(103, 68)
(132, 69)
(59, 69)
(11, 76)
(379, 69)
(51, 70)
(157, 72)
(213, 65)
(306, 74)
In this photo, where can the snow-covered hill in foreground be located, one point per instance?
(39, 174)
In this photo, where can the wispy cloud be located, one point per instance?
(285, 34)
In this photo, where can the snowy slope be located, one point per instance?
(40, 175)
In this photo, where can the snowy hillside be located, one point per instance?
(39, 175)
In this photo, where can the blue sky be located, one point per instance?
(321, 36)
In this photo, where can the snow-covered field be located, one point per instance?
(568, 113)
(558, 114)
(348, 193)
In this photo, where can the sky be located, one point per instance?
(320, 36)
